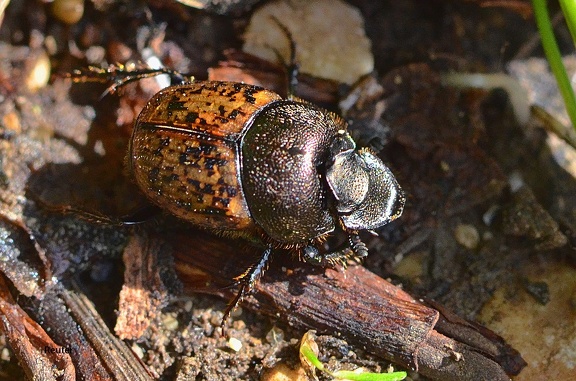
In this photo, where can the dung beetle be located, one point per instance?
(239, 160)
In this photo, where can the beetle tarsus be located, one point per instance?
(339, 257)
(355, 249)
(247, 281)
(358, 247)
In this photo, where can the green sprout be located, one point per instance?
(307, 352)
(553, 53)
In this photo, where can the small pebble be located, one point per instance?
(234, 344)
(467, 235)
(39, 73)
(343, 54)
(68, 11)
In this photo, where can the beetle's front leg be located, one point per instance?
(358, 247)
(355, 248)
(247, 281)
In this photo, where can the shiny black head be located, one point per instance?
(367, 194)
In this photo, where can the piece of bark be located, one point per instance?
(114, 353)
(478, 337)
(30, 343)
(143, 292)
(354, 304)
(96, 354)
(23, 260)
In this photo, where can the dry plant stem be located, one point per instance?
(354, 304)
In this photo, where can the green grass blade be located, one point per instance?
(553, 55)
(569, 11)
(307, 352)
(367, 376)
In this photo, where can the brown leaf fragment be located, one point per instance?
(40, 356)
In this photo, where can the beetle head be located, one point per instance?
(367, 194)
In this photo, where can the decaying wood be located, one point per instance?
(143, 291)
(480, 338)
(30, 343)
(79, 347)
(355, 304)
(114, 353)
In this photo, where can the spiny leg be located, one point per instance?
(355, 249)
(121, 75)
(358, 247)
(247, 281)
(136, 216)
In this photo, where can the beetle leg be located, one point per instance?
(247, 281)
(312, 256)
(140, 215)
(355, 249)
(358, 247)
(291, 67)
(137, 216)
(120, 76)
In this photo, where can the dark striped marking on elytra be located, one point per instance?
(192, 116)
(176, 105)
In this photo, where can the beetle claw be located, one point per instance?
(358, 247)
(236, 283)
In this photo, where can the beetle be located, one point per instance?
(238, 159)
